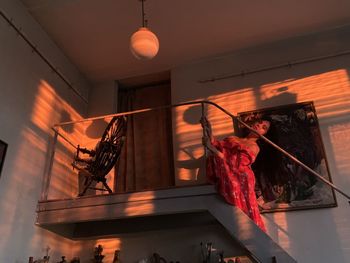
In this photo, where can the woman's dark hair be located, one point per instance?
(243, 131)
(268, 155)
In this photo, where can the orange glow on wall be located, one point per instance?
(139, 208)
(189, 163)
(340, 141)
(330, 92)
(28, 162)
(85, 249)
(49, 109)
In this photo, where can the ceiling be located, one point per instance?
(94, 34)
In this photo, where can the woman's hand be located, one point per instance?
(204, 121)
(206, 142)
(207, 132)
(205, 124)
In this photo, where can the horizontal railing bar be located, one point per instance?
(136, 112)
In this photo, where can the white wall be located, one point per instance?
(321, 235)
(32, 99)
(103, 98)
(177, 244)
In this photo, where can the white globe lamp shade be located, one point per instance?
(144, 44)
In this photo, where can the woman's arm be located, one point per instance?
(207, 142)
(207, 131)
(208, 138)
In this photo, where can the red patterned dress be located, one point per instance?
(233, 175)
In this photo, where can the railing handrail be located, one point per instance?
(144, 110)
(202, 102)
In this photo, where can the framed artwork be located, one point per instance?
(3, 148)
(281, 184)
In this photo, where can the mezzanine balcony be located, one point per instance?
(97, 214)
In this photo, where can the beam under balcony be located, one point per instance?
(108, 215)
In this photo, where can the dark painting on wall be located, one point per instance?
(3, 148)
(281, 184)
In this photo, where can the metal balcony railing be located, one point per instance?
(60, 132)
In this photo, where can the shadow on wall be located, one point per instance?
(192, 159)
(31, 124)
(96, 128)
(326, 84)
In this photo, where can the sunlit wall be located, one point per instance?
(325, 82)
(173, 244)
(32, 99)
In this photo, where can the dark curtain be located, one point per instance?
(147, 158)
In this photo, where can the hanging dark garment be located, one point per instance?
(147, 158)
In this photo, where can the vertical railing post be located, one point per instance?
(204, 135)
(48, 166)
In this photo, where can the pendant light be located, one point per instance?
(144, 43)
